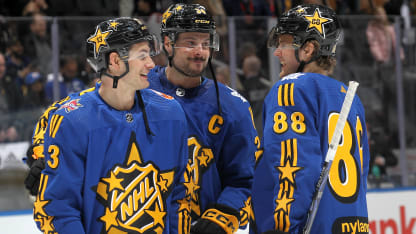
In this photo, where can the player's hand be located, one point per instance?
(218, 219)
(33, 178)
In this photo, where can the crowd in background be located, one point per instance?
(27, 81)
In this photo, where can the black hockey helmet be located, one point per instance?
(182, 17)
(117, 35)
(309, 22)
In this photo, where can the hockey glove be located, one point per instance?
(33, 178)
(36, 163)
(217, 219)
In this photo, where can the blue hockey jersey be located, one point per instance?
(105, 174)
(300, 113)
(222, 148)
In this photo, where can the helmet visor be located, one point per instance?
(273, 38)
(154, 48)
(190, 43)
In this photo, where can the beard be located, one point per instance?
(187, 70)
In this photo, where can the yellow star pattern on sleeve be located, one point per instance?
(282, 204)
(316, 21)
(288, 171)
(47, 226)
(191, 186)
(39, 207)
(184, 205)
(99, 40)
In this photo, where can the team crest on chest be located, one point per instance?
(134, 194)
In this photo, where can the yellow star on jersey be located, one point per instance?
(157, 216)
(114, 24)
(158, 230)
(39, 207)
(282, 204)
(316, 21)
(184, 204)
(288, 172)
(99, 39)
(190, 187)
(163, 184)
(203, 159)
(110, 218)
(47, 226)
(343, 90)
(248, 209)
(114, 182)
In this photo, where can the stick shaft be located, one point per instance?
(330, 154)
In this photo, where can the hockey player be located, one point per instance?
(223, 141)
(300, 113)
(115, 154)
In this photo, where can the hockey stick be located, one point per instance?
(330, 154)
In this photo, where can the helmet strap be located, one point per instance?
(215, 82)
(116, 78)
(142, 107)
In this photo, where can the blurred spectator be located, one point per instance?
(125, 8)
(3, 98)
(98, 8)
(35, 6)
(381, 37)
(11, 134)
(246, 49)
(256, 87)
(9, 88)
(143, 8)
(277, 7)
(246, 8)
(38, 45)
(8, 134)
(223, 75)
(250, 27)
(4, 33)
(149, 11)
(68, 79)
(2, 135)
(35, 96)
(18, 64)
(381, 152)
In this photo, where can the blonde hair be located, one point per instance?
(327, 63)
